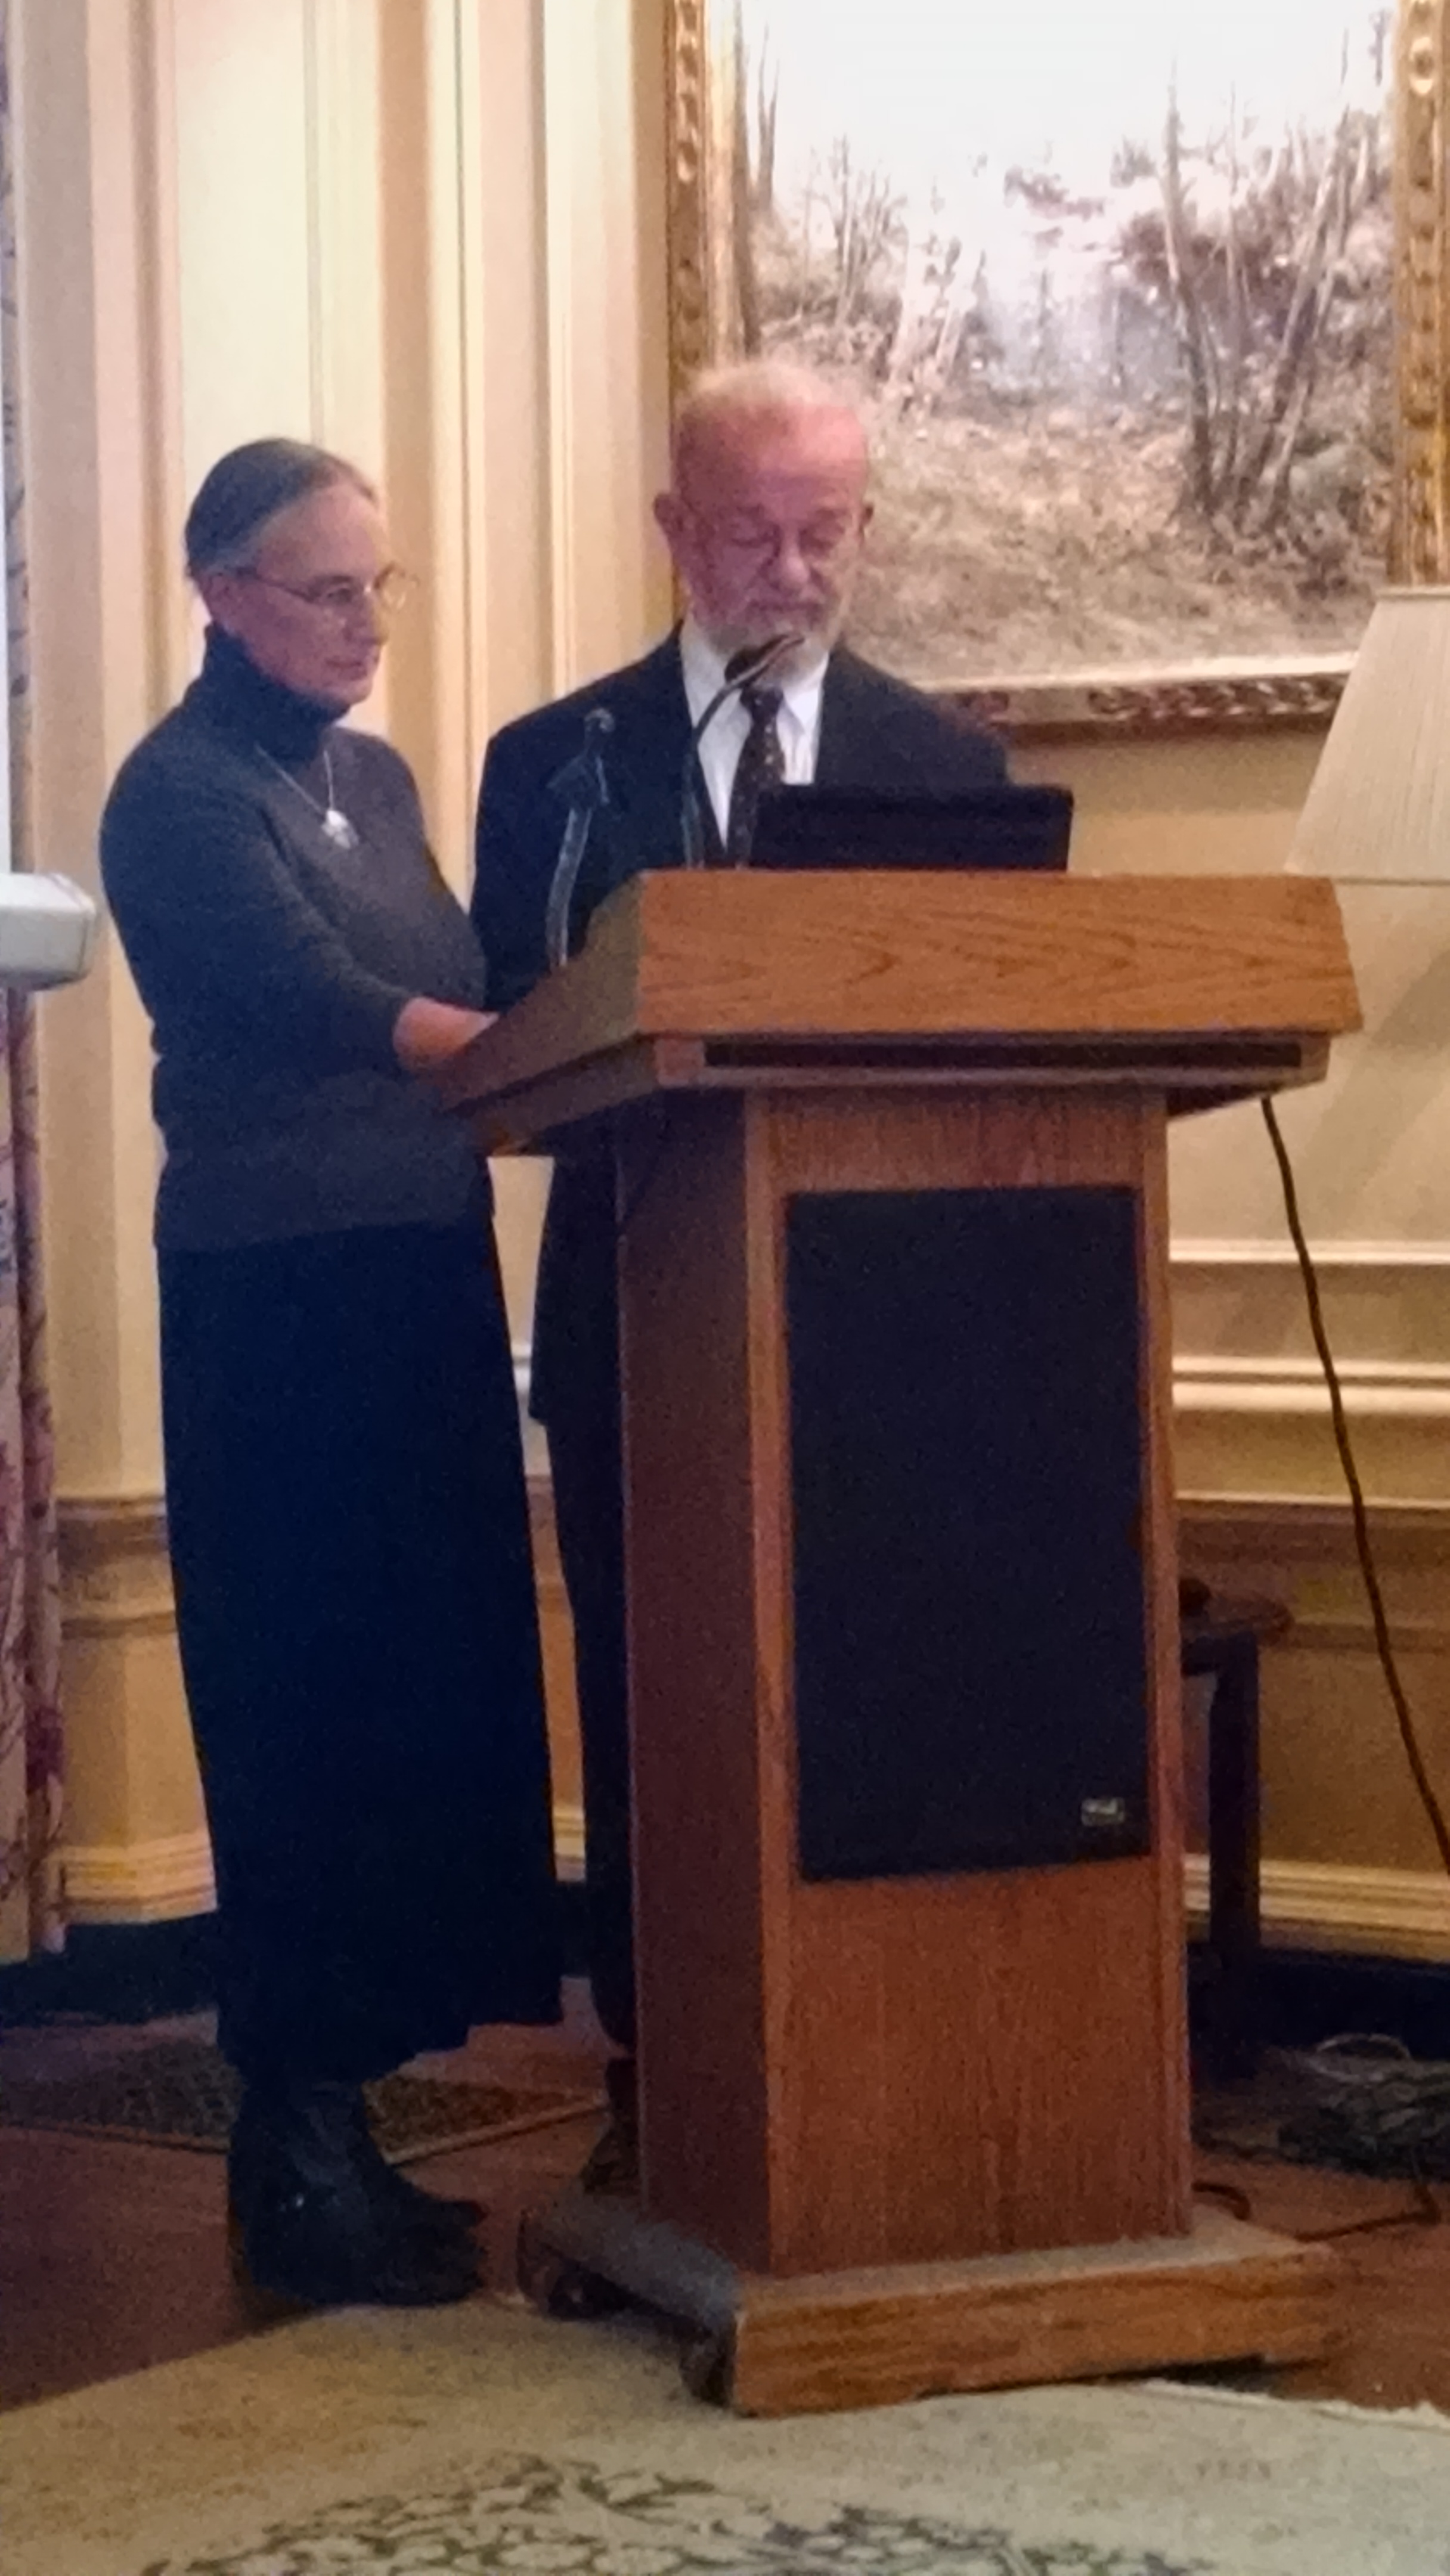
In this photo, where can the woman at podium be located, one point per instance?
(344, 1483)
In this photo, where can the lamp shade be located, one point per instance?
(1378, 807)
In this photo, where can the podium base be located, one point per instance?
(831, 2340)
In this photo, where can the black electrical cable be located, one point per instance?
(1424, 2209)
(1384, 1643)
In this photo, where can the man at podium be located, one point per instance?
(765, 518)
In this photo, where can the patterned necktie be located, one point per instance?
(761, 765)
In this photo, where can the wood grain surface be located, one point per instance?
(691, 1477)
(863, 2072)
(1224, 2291)
(1227, 2293)
(724, 952)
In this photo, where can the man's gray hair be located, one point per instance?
(757, 389)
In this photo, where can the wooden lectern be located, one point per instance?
(903, 1609)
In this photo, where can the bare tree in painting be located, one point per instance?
(1253, 299)
(742, 197)
(936, 290)
(1261, 484)
(1194, 338)
(767, 109)
(862, 209)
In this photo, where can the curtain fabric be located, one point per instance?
(31, 1918)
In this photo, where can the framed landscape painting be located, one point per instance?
(1114, 283)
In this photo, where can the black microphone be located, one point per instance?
(582, 785)
(741, 671)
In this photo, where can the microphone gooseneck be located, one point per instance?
(583, 786)
(741, 672)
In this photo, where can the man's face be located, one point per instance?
(766, 523)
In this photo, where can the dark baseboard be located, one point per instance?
(1305, 1996)
(136, 1972)
(1310, 1995)
(116, 1972)
(130, 1972)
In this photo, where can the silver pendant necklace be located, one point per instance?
(335, 825)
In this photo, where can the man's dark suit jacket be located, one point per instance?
(876, 733)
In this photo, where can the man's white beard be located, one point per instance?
(816, 642)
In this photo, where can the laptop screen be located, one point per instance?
(848, 827)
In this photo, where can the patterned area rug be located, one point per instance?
(485, 2441)
(182, 2093)
(539, 2515)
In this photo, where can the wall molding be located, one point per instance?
(144, 1882)
(106, 1525)
(561, 75)
(115, 1571)
(1274, 1252)
(1322, 1905)
(160, 1881)
(1307, 1905)
(1305, 1528)
(100, 1530)
(120, 1619)
(340, 55)
(1248, 1389)
(1404, 1399)
(569, 1840)
(1396, 1390)
(1305, 1545)
(159, 269)
(116, 1583)
(455, 567)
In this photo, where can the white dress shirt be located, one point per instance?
(798, 723)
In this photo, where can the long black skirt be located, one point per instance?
(359, 1640)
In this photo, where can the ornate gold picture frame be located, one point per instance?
(1349, 447)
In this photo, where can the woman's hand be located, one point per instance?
(427, 1033)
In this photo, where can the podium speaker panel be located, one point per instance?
(970, 1661)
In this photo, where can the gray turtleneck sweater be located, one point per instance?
(274, 965)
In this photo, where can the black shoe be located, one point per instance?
(309, 2224)
(612, 2166)
(394, 2191)
(429, 2208)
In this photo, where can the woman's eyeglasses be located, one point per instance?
(342, 600)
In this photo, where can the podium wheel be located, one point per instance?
(707, 2367)
(559, 2287)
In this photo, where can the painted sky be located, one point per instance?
(923, 86)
